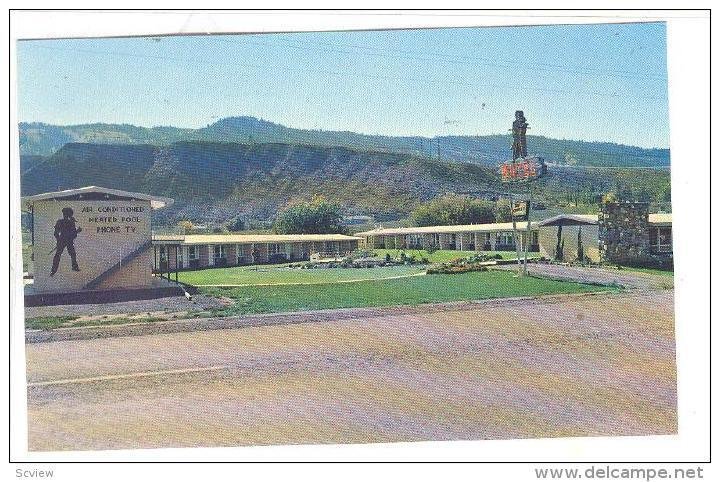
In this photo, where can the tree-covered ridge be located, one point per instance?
(44, 139)
(220, 182)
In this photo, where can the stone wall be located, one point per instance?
(623, 232)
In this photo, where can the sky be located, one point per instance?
(584, 82)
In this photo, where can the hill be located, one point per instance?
(213, 181)
(45, 139)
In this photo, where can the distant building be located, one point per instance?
(194, 251)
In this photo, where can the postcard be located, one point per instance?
(347, 237)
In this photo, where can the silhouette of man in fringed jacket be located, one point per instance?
(65, 234)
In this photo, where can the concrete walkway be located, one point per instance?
(301, 283)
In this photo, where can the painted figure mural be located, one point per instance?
(65, 234)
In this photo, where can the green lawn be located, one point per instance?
(661, 272)
(407, 291)
(261, 275)
(47, 322)
(325, 294)
(444, 255)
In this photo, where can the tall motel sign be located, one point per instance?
(521, 170)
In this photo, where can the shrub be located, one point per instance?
(317, 216)
(453, 209)
(237, 225)
(455, 269)
(461, 265)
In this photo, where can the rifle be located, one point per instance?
(77, 230)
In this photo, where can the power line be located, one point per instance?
(456, 59)
(344, 74)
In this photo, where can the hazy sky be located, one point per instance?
(590, 82)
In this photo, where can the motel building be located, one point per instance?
(194, 251)
(651, 233)
(468, 237)
(95, 245)
(627, 229)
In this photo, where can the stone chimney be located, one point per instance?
(623, 231)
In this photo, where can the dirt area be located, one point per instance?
(548, 367)
(152, 307)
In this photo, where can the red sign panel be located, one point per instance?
(523, 169)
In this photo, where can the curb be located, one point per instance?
(271, 319)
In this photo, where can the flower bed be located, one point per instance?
(476, 262)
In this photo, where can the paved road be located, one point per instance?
(594, 365)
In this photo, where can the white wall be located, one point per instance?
(547, 238)
(108, 234)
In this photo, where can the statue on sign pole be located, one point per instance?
(519, 128)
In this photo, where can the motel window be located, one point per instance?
(664, 238)
(163, 254)
(653, 237)
(193, 253)
(274, 248)
(219, 251)
(505, 238)
(661, 239)
(411, 240)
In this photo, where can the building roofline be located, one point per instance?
(156, 202)
(448, 229)
(660, 219)
(570, 220)
(574, 219)
(189, 239)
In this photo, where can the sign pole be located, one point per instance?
(527, 231)
(515, 233)
(533, 167)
